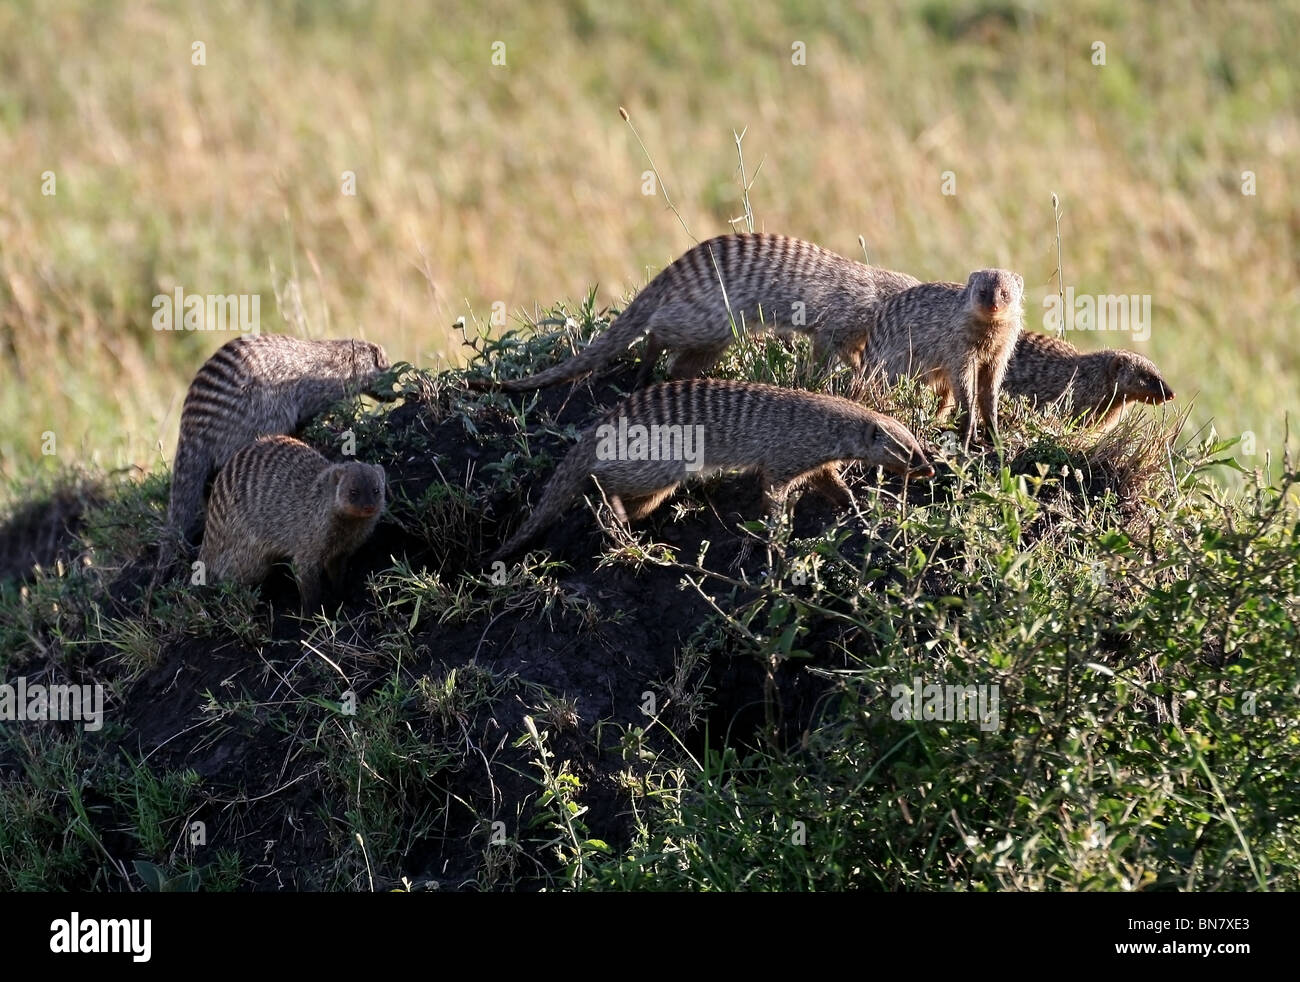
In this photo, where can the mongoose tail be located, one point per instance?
(564, 487)
(669, 434)
(1096, 386)
(603, 349)
(190, 472)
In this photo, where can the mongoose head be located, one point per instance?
(358, 489)
(369, 357)
(892, 446)
(995, 294)
(1136, 379)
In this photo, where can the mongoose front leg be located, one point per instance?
(966, 405)
(850, 352)
(653, 349)
(309, 589)
(988, 400)
(776, 497)
(336, 573)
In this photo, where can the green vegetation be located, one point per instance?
(1137, 619)
(655, 708)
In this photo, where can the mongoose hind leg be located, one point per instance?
(695, 362)
(186, 509)
(616, 505)
(826, 481)
(228, 561)
(850, 352)
(776, 499)
(947, 402)
(638, 507)
(653, 349)
(777, 488)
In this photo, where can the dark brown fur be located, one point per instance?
(789, 437)
(279, 499)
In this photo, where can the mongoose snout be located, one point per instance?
(900, 452)
(996, 292)
(361, 492)
(358, 511)
(1139, 380)
(917, 466)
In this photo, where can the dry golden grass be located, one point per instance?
(479, 184)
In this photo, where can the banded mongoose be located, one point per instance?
(1097, 385)
(252, 387)
(665, 435)
(279, 499)
(762, 281)
(957, 339)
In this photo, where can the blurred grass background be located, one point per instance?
(519, 184)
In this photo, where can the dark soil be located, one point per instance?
(41, 532)
(272, 792)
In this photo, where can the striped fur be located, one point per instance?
(955, 338)
(251, 387)
(789, 437)
(759, 280)
(279, 499)
(1098, 386)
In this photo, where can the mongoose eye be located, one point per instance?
(375, 490)
(354, 494)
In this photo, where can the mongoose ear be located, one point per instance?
(1020, 282)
